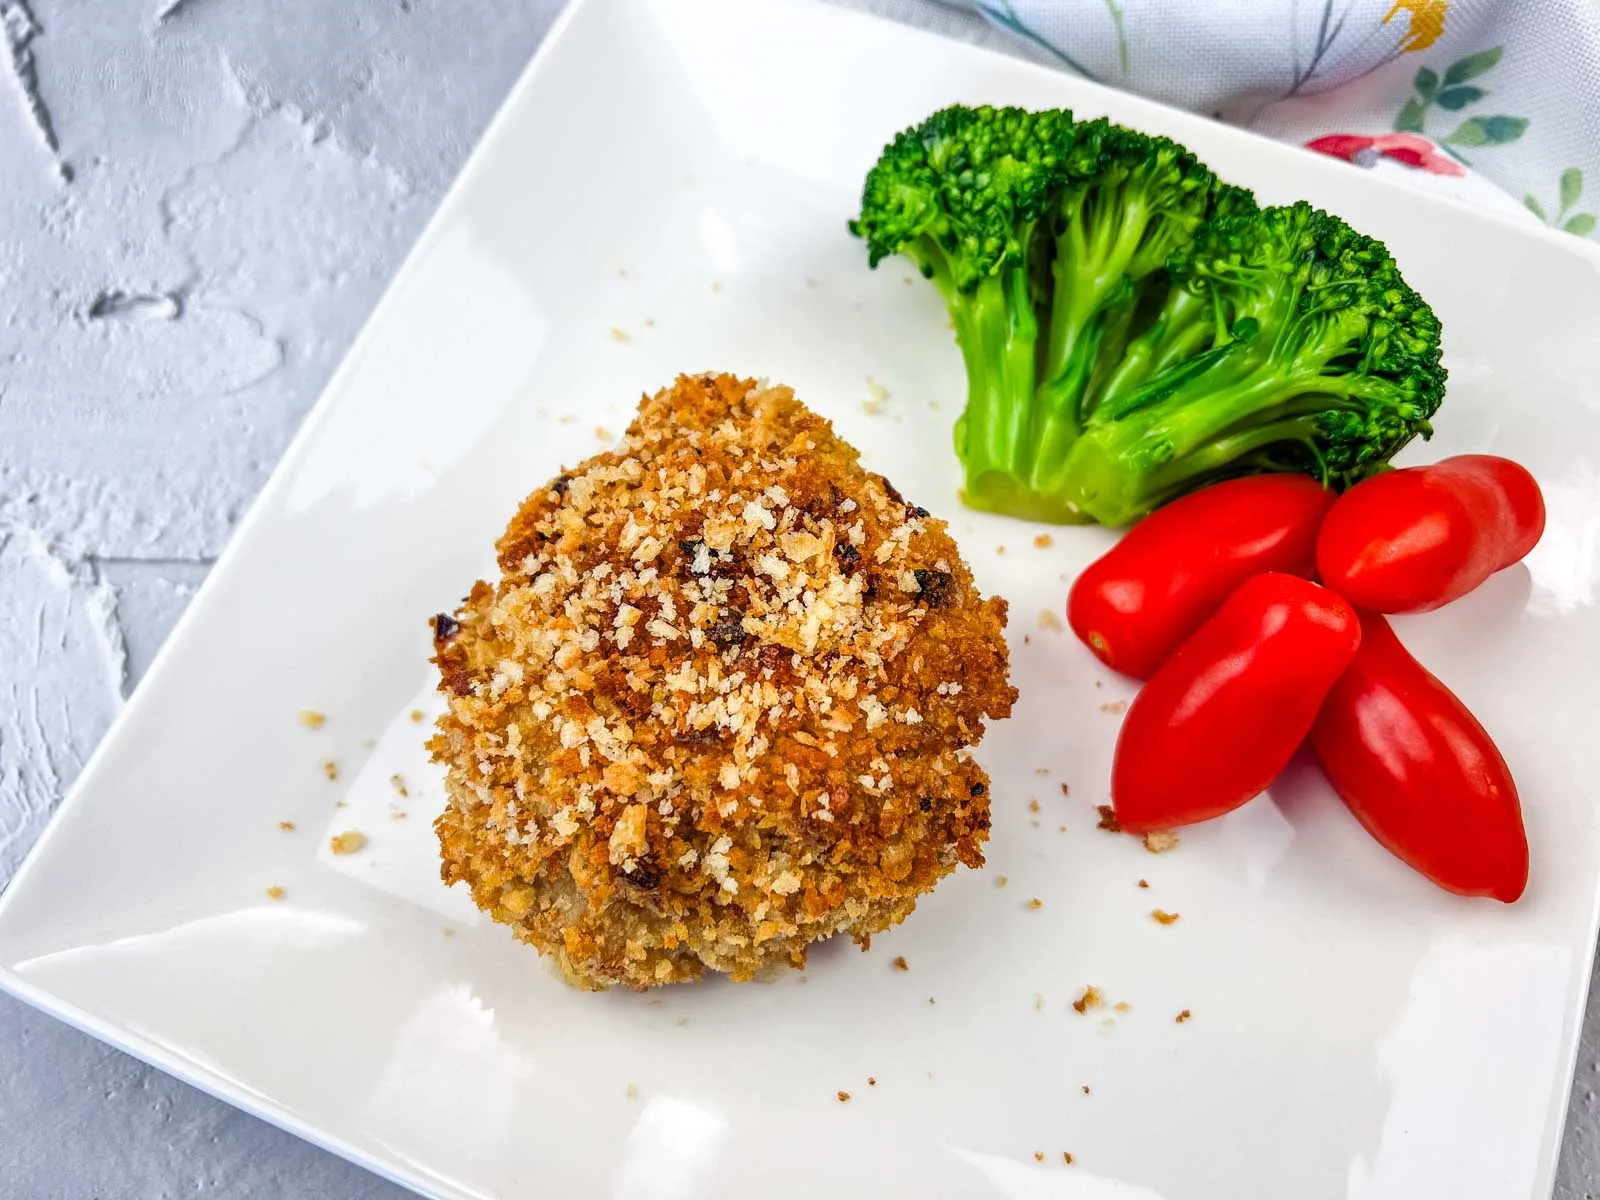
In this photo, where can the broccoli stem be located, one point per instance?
(1000, 435)
(1218, 422)
(1181, 329)
(1090, 274)
(998, 335)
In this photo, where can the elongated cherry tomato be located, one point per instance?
(1420, 773)
(1137, 603)
(1413, 539)
(1218, 721)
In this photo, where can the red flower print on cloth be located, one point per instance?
(1363, 151)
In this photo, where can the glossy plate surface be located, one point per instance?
(667, 190)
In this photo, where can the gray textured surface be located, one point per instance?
(200, 202)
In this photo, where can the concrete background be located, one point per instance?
(200, 202)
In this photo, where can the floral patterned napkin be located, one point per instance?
(1472, 98)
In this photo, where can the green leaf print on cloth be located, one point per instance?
(1454, 93)
(1569, 193)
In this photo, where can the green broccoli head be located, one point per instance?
(1132, 199)
(962, 196)
(1316, 357)
(959, 193)
(1346, 324)
(1130, 203)
(1133, 327)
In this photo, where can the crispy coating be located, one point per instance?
(719, 704)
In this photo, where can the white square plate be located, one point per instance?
(680, 173)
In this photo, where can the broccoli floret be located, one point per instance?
(1129, 202)
(1133, 327)
(1289, 343)
(962, 195)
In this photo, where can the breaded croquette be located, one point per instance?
(719, 704)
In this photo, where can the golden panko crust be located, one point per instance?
(719, 704)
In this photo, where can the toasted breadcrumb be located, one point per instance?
(1086, 1091)
(602, 434)
(1163, 917)
(348, 842)
(1144, 883)
(1049, 620)
(697, 723)
(398, 783)
(1038, 1155)
(1065, 790)
(871, 1082)
(286, 826)
(877, 395)
(1122, 1006)
(1034, 903)
(416, 714)
(1183, 1016)
(1160, 841)
(330, 768)
(312, 719)
(900, 963)
(1066, 1157)
(1044, 541)
(844, 1097)
(275, 892)
(619, 335)
(1114, 707)
(1001, 880)
(1108, 819)
(1091, 998)
(1033, 805)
